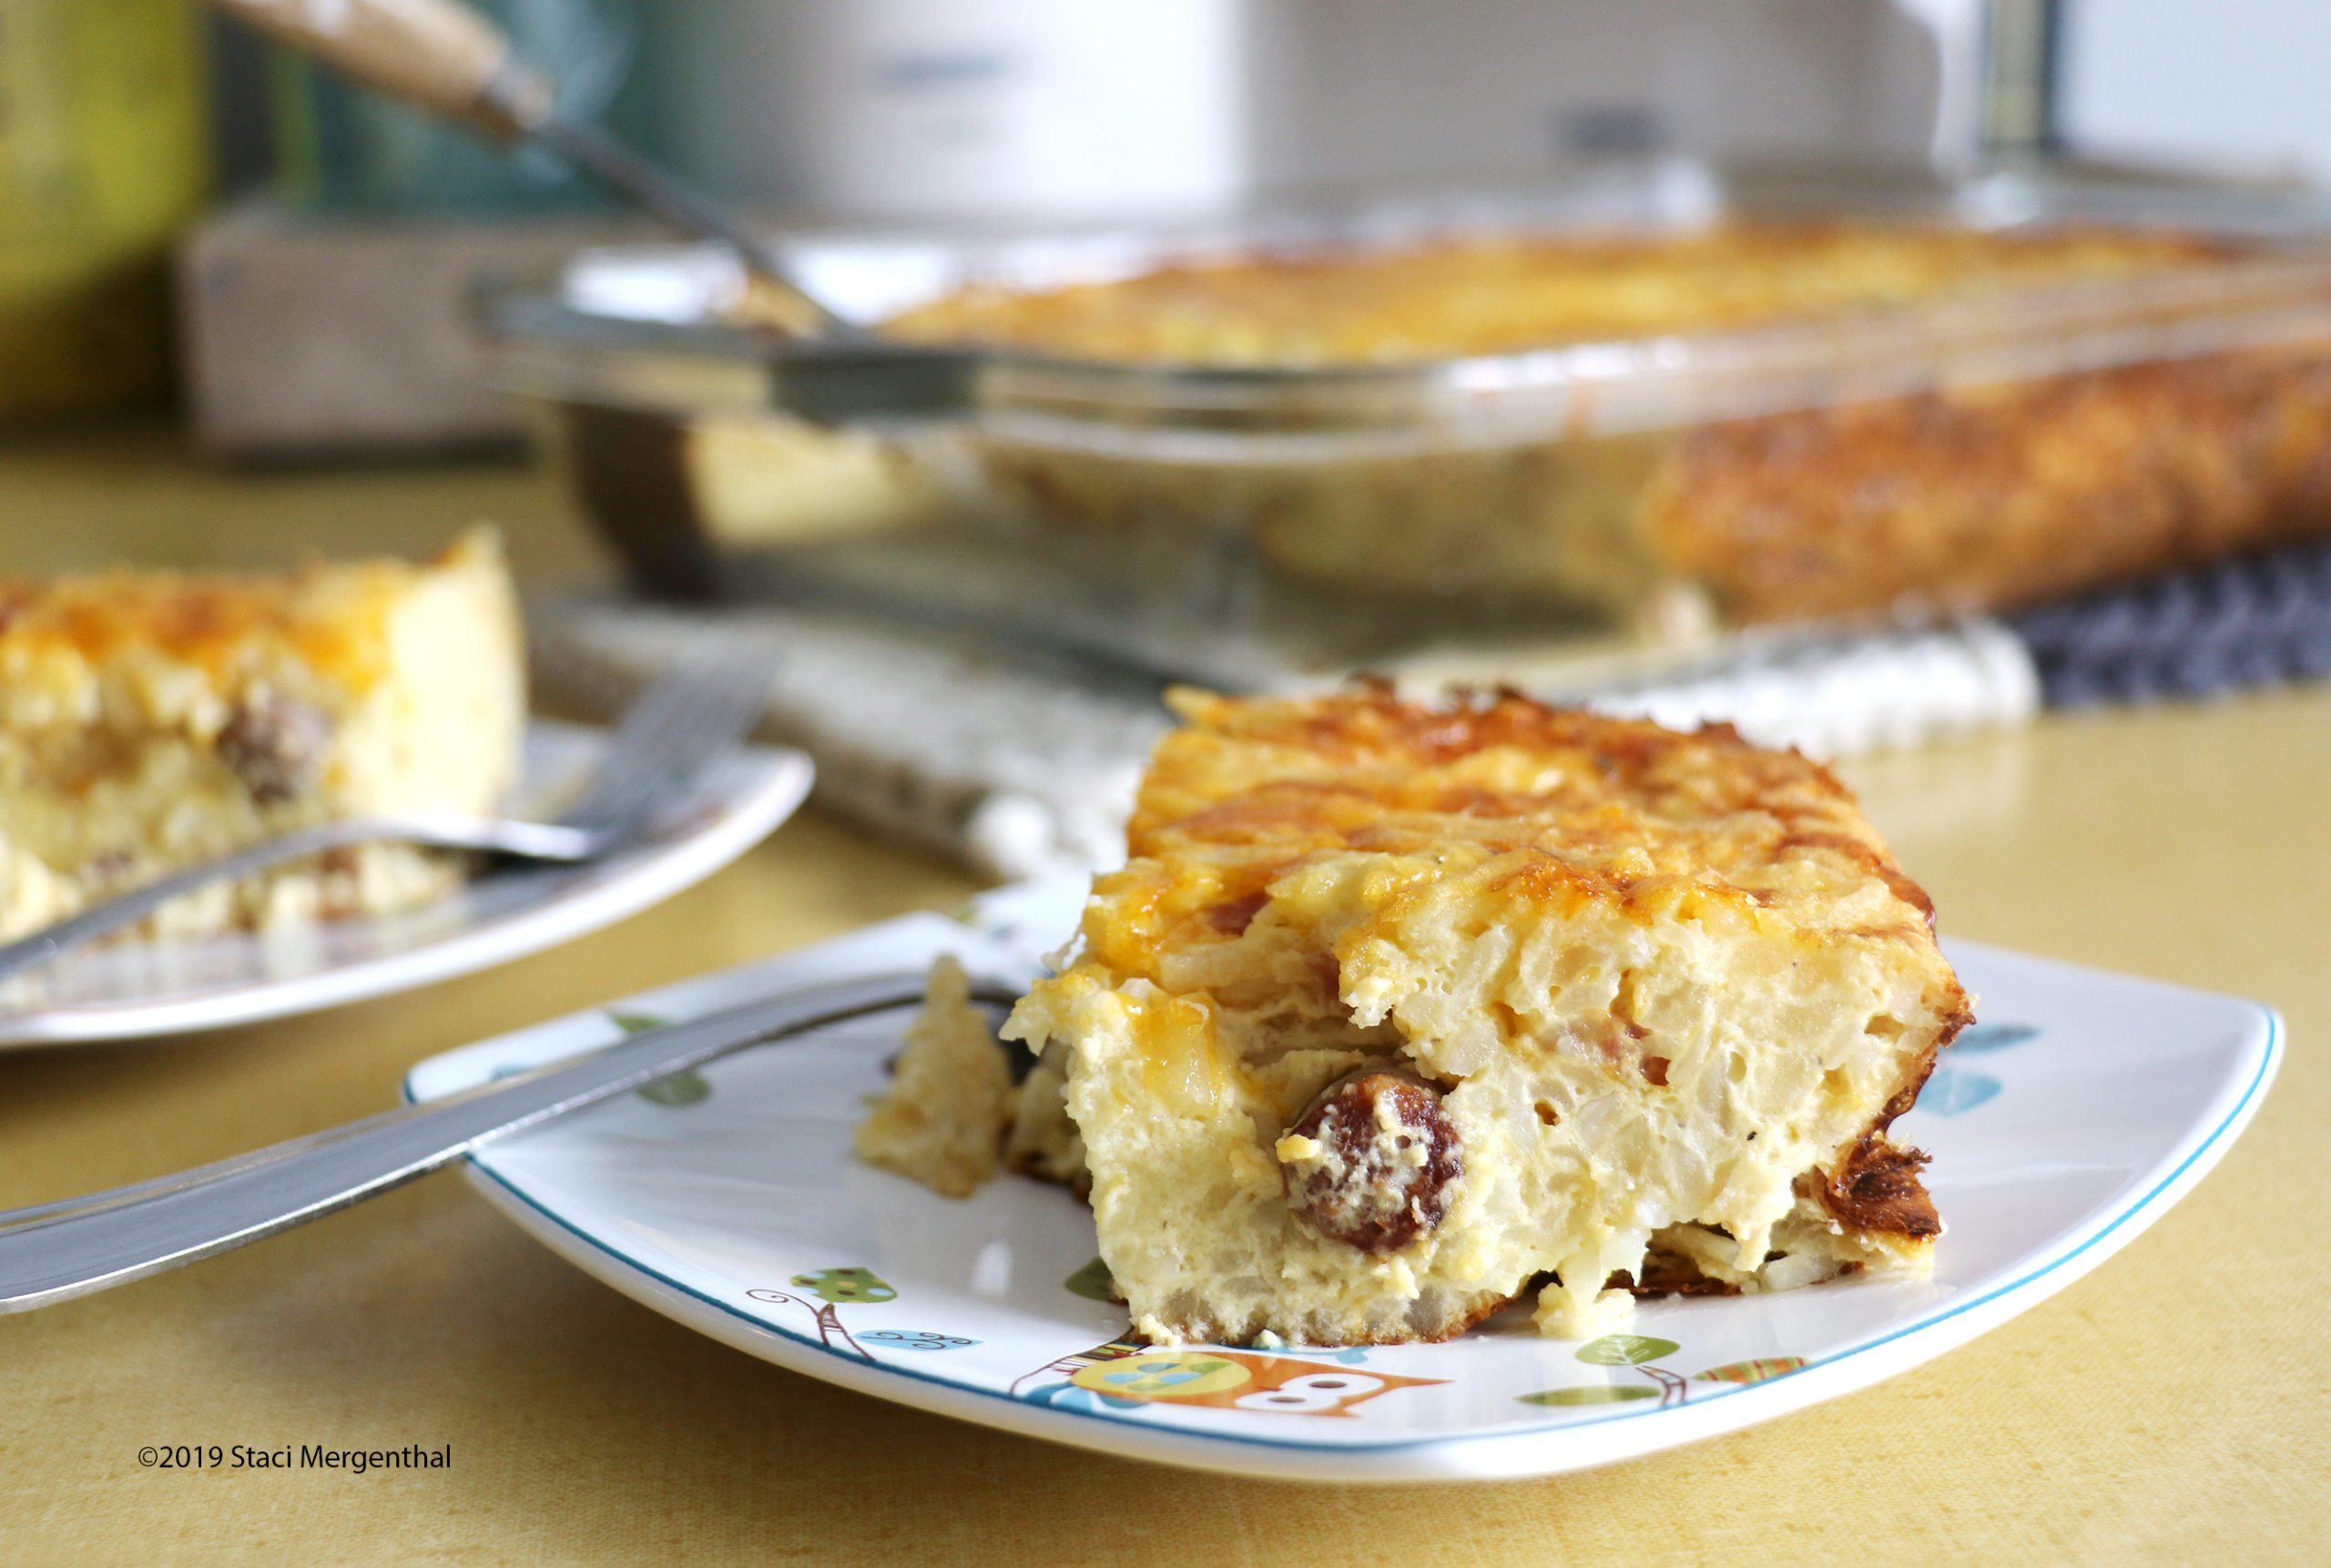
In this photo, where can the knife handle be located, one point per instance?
(438, 55)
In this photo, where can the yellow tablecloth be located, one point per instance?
(2175, 1405)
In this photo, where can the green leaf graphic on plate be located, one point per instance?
(1625, 1351)
(1593, 1394)
(841, 1285)
(1094, 1282)
(685, 1087)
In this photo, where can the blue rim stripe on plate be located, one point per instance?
(2267, 1060)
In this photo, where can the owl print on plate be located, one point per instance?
(1123, 1374)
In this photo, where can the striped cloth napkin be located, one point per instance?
(1020, 769)
(2252, 621)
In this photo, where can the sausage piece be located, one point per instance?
(1371, 1162)
(275, 745)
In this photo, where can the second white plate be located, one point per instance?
(2080, 1108)
(125, 991)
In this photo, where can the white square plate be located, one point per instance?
(2068, 1119)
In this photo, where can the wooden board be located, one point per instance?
(306, 337)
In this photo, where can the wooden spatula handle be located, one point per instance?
(437, 55)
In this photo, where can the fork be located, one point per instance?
(688, 717)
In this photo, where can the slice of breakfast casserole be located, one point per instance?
(150, 721)
(1395, 1011)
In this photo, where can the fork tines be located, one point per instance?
(689, 715)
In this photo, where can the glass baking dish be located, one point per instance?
(1247, 524)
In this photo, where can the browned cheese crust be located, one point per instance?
(2000, 496)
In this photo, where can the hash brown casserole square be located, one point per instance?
(154, 720)
(1397, 1013)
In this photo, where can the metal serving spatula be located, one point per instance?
(444, 59)
(441, 56)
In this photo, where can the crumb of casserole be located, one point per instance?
(941, 1121)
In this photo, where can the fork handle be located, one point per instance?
(535, 841)
(55, 1251)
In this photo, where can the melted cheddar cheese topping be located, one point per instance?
(1493, 295)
